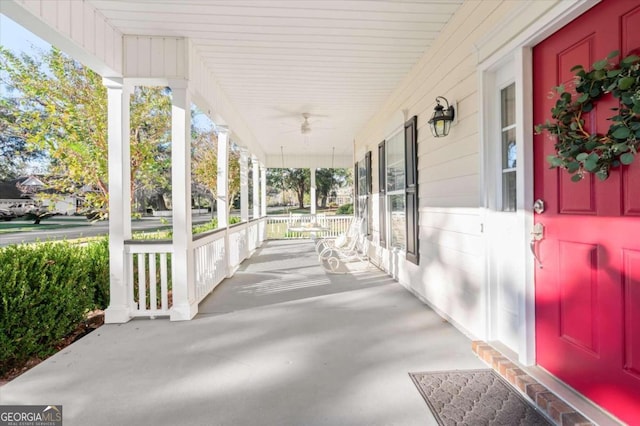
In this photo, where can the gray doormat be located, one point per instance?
(475, 397)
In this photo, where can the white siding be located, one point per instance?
(155, 57)
(451, 274)
(73, 26)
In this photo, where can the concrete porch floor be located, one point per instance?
(280, 343)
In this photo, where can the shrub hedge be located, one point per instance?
(45, 292)
(345, 209)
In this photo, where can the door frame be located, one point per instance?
(518, 49)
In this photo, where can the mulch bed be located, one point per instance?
(93, 321)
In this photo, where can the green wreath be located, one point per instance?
(579, 151)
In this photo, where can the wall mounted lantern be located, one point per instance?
(442, 118)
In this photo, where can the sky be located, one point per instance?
(18, 39)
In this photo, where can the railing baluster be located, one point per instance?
(153, 300)
(164, 282)
(142, 280)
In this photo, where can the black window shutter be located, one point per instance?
(382, 191)
(367, 162)
(369, 190)
(411, 190)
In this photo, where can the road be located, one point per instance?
(83, 229)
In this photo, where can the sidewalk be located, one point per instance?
(280, 343)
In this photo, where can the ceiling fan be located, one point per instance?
(305, 128)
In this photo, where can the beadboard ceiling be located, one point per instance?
(337, 60)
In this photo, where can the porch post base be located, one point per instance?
(183, 312)
(116, 315)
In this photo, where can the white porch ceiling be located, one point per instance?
(337, 60)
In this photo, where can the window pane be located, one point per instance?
(395, 163)
(397, 221)
(509, 191)
(508, 102)
(362, 178)
(509, 149)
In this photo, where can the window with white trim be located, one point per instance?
(395, 191)
(509, 147)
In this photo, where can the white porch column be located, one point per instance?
(119, 198)
(222, 192)
(244, 185)
(184, 303)
(222, 184)
(263, 190)
(256, 187)
(313, 191)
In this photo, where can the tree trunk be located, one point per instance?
(301, 199)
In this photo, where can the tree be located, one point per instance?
(204, 162)
(204, 165)
(14, 154)
(150, 139)
(298, 180)
(328, 180)
(60, 107)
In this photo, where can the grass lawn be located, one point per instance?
(27, 226)
(296, 210)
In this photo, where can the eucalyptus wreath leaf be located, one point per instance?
(621, 147)
(554, 161)
(599, 65)
(573, 167)
(627, 158)
(576, 68)
(583, 98)
(576, 178)
(626, 82)
(602, 174)
(590, 166)
(613, 54)
(630, 60)
(621, 133)
(582, 156)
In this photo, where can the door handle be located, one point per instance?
(537, 234)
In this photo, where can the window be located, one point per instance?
(509, 147)
(363, 191)
(395, 190)
(401, 158)
(382, 193)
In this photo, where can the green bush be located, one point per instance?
(45, 292)
(213, 224)
(97, 261)
(345, 209)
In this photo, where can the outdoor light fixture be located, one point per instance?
(442, 118)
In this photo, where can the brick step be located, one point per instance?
(555, 408)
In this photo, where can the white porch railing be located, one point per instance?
(216, 255)
(278, 226)
(209, 262)
(149, 273)
(149, 265)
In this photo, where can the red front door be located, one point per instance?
(588, 290)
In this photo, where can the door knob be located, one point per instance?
(538, 206)
(536, 235)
